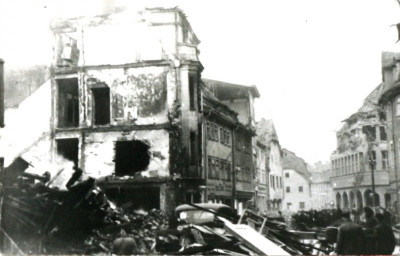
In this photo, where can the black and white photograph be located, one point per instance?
(182, 127)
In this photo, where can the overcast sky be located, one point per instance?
(313, 61)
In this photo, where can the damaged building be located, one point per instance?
(229, 123)
(131, 110)
(125, 105)
(362, 150)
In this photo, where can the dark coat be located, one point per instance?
(384, 239)
(351, 239)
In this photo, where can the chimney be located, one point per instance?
(1, 93)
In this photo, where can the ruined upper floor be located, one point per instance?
(128, 36)
(365, 126)
(239, 98)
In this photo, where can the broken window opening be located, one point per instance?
(69, 149)
(131, 157)
(68, 103)
(101, 102)
(369, 132)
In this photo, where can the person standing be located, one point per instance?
(384, 237)
(368, 228)
(351, 239)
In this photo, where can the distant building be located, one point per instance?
(321, 188)
(296, 181)
(268, 136)
(362, 148)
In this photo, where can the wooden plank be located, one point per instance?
(253, 239)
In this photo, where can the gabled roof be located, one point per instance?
(293, 162)
(229, 91)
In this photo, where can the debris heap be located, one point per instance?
(81, 220)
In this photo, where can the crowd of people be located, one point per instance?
(307, 220)
(362, 232)
(373, 235)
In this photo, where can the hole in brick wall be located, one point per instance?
(131, 157)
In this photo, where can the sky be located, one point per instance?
(313, 61)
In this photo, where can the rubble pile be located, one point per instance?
(81, 220)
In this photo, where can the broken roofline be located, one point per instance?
(227, 109)
(181, 13)
(359, 114)
(60, 24)
(252, 88)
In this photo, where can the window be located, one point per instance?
(287, 175)
(228, 137)
(389, 112)
(68, 102)
(101, 105)
(385, 160)
(185, 34)
(222, 135)
(369, 132)
(272, 181)
(225, 136)
(192, 92)
(277, 182)
(289, 206)
(210, 168)
(398, 107)
(217, 168)
(302, 205)
(280, 182)
(239, 175)
(287, 189)
(215, 131)
(300, 188)
(382, 132)
(212, 131)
